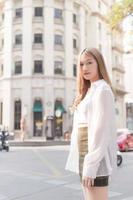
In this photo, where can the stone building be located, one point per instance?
(39, 45)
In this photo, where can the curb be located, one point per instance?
(37, 143)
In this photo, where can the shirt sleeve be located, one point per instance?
(103, 111)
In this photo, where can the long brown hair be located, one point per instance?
(82, 84)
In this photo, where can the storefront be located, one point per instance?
(59, 110)
(37, 118)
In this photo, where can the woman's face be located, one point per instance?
(89, 67)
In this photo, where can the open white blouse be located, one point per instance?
(98, 111)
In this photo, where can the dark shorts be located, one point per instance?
(100, 181)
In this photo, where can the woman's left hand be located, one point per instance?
(87, 182)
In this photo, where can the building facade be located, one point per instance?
(128, 58)
(39, 45)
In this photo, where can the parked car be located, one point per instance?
(119, 158)
(125, 141)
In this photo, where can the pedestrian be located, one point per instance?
(92, 152)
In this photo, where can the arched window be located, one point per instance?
(1, 112)
(17, 65)
(18, 37)
(38, 64)
(17, 114)
(58, 66)
(37, 106)
(59, 110)
(18, 9)
(75, 42)
(37, 118)
(38, 36)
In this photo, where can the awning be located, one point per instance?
(37, 107)
(61, 108)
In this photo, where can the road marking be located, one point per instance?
(114, 194)
(50, 165)
(128, 198)
(56, 182)
(74, 186)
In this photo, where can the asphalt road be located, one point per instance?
(37, 173)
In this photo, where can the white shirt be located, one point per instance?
(98, 111)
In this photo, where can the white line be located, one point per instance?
(114, 194)
(74, 186)
(128, 198)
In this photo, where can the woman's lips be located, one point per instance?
(87, 73)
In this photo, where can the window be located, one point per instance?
(38, 11)
(1, 112)
(18, 67)
(58, 40)
(1, 70)
(100, 47)
(3, 16)
(74, 18)
(38, 66)
(58, 13)
(58, 65)
(116, 59)
(100, 30)
(99, 5)
(2, 43)
(74, 70)
(17, 114)
(18, 13)
(18, 39)
(74, 43)
(38, 38)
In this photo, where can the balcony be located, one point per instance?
(118, 47)
(119, 88)
(59, 47)
(38, 19)
(38, 46)
(59, 71)
(17, 47)
(17, 20)
(119, 68)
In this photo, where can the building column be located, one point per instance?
(8, 35)
(27, 38)
(49, 57)
(27, 66)
(69, 59)
(82, 28)
(68, 44)
(48, 37)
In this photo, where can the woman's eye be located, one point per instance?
(88, 63)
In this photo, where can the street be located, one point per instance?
(37, 173)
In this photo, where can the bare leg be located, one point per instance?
(96, 193)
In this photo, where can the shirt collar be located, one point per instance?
(96, 83)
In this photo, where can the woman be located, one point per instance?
(93, 150)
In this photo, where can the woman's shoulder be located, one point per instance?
(104, 86)
(104, 89)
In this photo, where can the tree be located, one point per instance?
(119, 11)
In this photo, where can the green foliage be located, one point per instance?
(119, 11)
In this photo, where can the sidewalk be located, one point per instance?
(38, 142)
